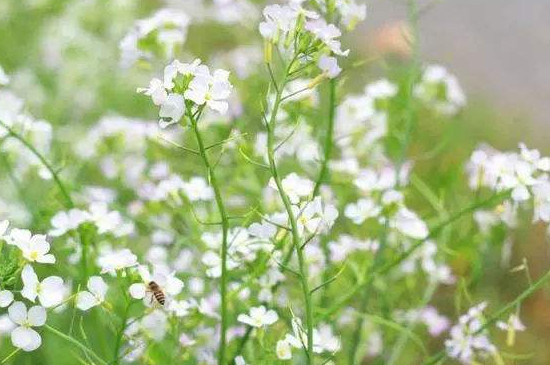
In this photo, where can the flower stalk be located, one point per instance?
(295, 235)
(222, 351)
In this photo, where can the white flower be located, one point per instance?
(436, 323)
(511, 326)
(440, 90)
(362, 210)
(214, 262)
(165, 279)
(259, 317)
(408, 223)
(94, 296)
(295, 187)
(381, 89)
(315, 217)
(49, 291)
(156, 91)
(108, 221)
(329, 66)
(23, 336)
(468, 338)
(6, 298)
(327, 33)
(279, 21)
(283, 350)
(198, 189)
(171, 110)
(351, 12)
(64, 222)
(180, 308)
(263, 230)
(34, 248)
(513, 323)
(211, 90)
(111, 261)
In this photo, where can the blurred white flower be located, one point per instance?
(171, 110)
(329, 66)
(440, 90)
(24, 336)
(111, 261)
(408, 223)
(259, 317)
(468, 338)
(362, 210)
(6, 298)
(212, 90)
(64, 222)
(295, 187)
(283, 350)
(49, 291)
(94, 296)
(156, 91)
(35, 248)
(328, 34)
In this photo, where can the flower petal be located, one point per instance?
(6, 297)
(26, 339)
(37, 316)
(137, 291)
(85, 300)
(18, 312)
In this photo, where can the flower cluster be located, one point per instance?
(469, 338)
(190, 82)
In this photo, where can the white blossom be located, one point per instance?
(259, 317)
(94, 296)
(24, 336)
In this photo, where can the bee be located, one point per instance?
(157, 292)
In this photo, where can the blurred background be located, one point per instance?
(498, 49)
(500, 52)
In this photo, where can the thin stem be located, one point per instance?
(12, 354)
(222, 356)
(120, 334)
(270, 125)
(329, 143)
(76, 343)
(370, 272)
(404, 337)
(68, 201)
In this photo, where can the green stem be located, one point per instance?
(270, 125)
(68, 201)
(76, 343)
(222, 357)
(120, 334)
(328, 145)
(366, 295)
(404, 337)
(12, 354)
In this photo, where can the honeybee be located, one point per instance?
(157, 292)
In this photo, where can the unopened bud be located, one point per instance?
(316, 81)
(268, 52)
